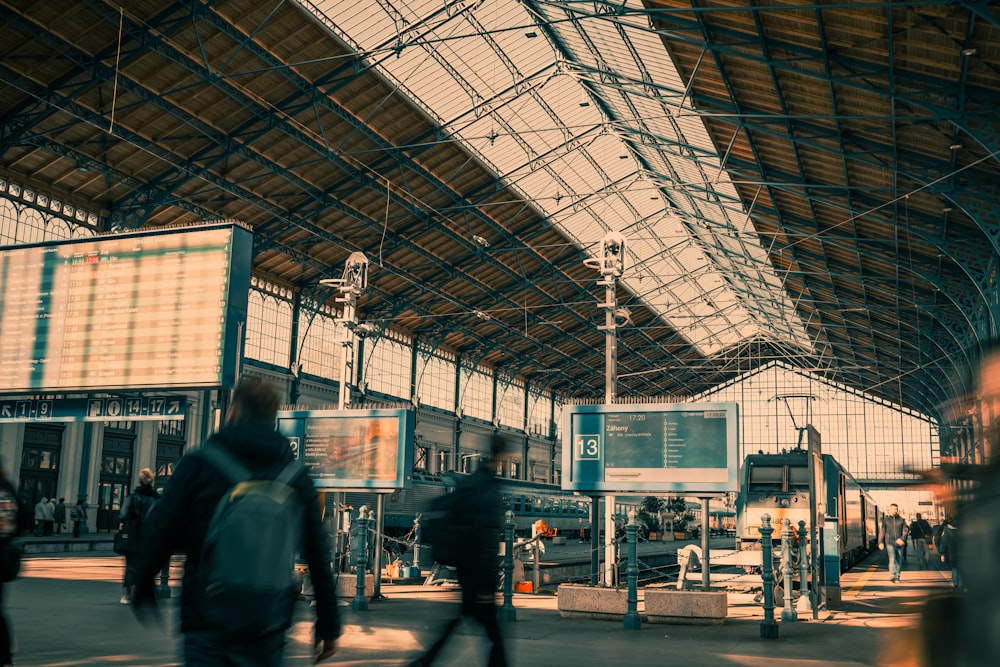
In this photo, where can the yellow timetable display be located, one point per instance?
(141, 310)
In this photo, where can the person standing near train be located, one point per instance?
(920, 533)
(892, 539)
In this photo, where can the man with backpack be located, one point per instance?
(240, 507)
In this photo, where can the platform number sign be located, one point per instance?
(588, 446)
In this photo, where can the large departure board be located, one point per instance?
(161, 309)
(673, 447)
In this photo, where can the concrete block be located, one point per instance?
(347, 585)
(665, 605)
(577, 601)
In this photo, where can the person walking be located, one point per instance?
(40, 516)
(130, 520)
(9, 512)
(920, 533)
(48, 516)
(949, 549)
(60, 516)
(892, 539)
(78, 515)
(477, 570)
(181, 523)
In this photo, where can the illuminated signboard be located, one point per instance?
(682, 448)
(352, 449)
(161, 309)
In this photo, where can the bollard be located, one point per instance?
(632, 621)
(507, 611)
(788, 611)
(768, 628)
(360, 602)
(163, 590)
(416, 542)
(805, 599)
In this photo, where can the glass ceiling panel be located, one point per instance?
(578, 111)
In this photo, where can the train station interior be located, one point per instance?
(490, 215)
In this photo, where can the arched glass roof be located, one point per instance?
(584, 116)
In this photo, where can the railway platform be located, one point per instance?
(65, 612)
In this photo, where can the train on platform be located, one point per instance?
(778, 485)
(564, 512)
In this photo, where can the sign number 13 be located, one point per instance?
(588, 446)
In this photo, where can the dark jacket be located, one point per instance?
(134, 512)
(949, 544)
(920, 529)
(893, 528)
(483, 507)
(182, 515)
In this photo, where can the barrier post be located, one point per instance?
(507, 611)
(163, 590)
(788, 611)
(768, 627)
(805, 600)
(632, 621)
(360, 602)
(416, 542)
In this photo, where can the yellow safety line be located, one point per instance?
(862, 580)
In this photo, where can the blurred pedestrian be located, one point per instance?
(60, 515)
(892, 539)
(48, 516)
(40, 516)
(920, 533)
(130, 521)
(8, 531)
(949, 550)
(477, 571)
(181, 522)
(78, 515)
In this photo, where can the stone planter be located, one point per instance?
(579, 601)
(667, 605)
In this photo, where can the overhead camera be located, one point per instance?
(364, 330)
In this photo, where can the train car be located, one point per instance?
(563, 511)
(778, 485)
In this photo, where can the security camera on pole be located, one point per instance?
(612, 266)
(353, 283)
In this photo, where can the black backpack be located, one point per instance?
(248, 557)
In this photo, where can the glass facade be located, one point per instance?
(873, 440)
(387, 365)
(476, 398)
(436, 375)
(269, 328)
(510, 403)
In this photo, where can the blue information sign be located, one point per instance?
(672, 447)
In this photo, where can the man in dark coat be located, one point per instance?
(181, 521)
(481, 522)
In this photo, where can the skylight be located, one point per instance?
(582, 114)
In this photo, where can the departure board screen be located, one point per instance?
(674, 447)
(161, 309)
(352, 449)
